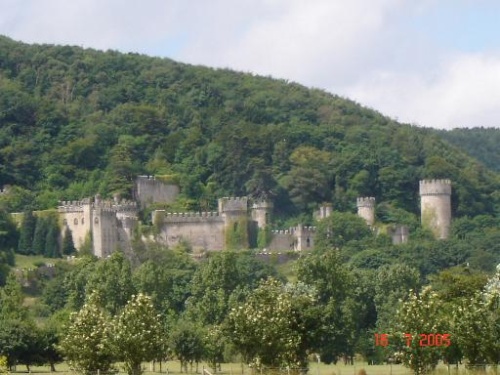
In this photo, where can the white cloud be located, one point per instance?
(109, 24)
(386, 54)
(463, 92)
(314, 42)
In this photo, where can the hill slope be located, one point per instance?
(74, 122)
(481, 143)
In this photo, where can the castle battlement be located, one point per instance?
(186, 217)
(435, 187)
(262, 205)
(106, 210)
(281, 231)
(73, 206)
(229, 204)
(191, 214)
(365, 202)
(146, 177)
(297, 229)
(304, 229)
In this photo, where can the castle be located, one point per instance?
(111, 223)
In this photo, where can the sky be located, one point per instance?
(432, 63)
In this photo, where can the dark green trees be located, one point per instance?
(46, 236)
(68, 246)
(27, 233)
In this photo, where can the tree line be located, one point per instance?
(233, 306)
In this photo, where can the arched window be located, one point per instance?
(75, 221)
(96, 220)
(308, 242)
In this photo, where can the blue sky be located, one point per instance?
(433, 63)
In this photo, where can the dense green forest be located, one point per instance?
(77, 122)
(480, 143)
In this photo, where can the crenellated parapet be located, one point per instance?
(365, 202)
(262, 204)
(324, 211)
(435, 187)
(73, 206)
(295, 230)
(106, 210)
(146, 178)
(233, 205)
(186, 217)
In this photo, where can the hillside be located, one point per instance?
(75, 122)
(480, 143)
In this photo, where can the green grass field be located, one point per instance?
(173, 368)
(31, 261)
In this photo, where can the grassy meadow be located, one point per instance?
(173, 368)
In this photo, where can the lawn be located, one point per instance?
(173, 368)
(32, 261)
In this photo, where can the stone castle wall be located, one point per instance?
(282, 240)
(78, 217)
(105, 232)
(150, 190)
(112, 223)
(297, 238)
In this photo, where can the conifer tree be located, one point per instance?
(27, 233)
(52, 239)
(40, 236)
(68, 246)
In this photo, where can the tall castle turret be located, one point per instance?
(366, 209)
(435, 206)
(324, 211)
(261, 213)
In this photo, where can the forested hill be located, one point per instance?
(74, 122)
(481, 143)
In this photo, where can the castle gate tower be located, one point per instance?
(435, 206)
(366, 209)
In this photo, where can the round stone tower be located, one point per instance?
(366, 209)
(435, 206)
(261, 213)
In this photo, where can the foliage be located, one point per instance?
(340, 228)
(237, 234)
(112, 281)
(166, 275)
(138, 335)
(421, 313)
(87, 343)
(271, 328)
(224, 277)
(27, 232)
(68, 246)
(3, 365)
(8, 240)
(214, 342)
(186, 341)
(481, 143)
(76, 122)
(392, 286)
